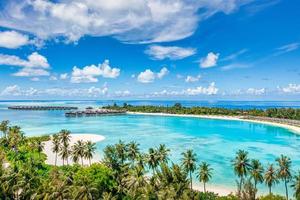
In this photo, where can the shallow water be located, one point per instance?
(214, 140)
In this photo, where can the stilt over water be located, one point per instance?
(42, 108)
(94, 112)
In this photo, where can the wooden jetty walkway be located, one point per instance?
(42, 108)
(92, 112)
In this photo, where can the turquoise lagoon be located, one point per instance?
(215, 141)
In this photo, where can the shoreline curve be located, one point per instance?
(294, 129)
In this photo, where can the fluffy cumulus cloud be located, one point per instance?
(148, 76)
(12, 39)
(210, 60)
(34, 65)
(290, 88)
(126, 20)
(64, 76)
(171, 52)
(90, 74)
(210, 90)
(191, 79)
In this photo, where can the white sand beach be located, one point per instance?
(294, 129)
(74, 138)
(221, 190)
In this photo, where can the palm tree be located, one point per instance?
(75, 154)
(4, 127)
(55, 145)
(204, 174)
(152, 159)
(89, 150)
(78, 149)
(241, 166)
(40, 146)
(163, 152)
(121, 149)
(270, 177)
(284, 171)
(64, 153)
(65, 137)
(296, 185)
(189, 163)
(256, 173)
(133, 151)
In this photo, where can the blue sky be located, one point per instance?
(152, 49)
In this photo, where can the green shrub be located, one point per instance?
(272, 197)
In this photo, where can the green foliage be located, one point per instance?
(283, 113)
(124, 173)
(272, 197)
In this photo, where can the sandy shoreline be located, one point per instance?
(74, 138)
(294, 129)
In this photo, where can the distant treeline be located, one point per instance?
(284, 113)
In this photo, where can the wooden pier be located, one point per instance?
(42, 108)
(94, 112)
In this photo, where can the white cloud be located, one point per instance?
(291, 88)
(13, 39)
(191, 79)
(89, 74)
(254, 91)
(124, 93)
(235, 66)
(53, 78)
(126, 20)
(235, 55)
(171, 52)
(210, 90)
(287, 48)
(163, 72)
(15, 90)
(148, 76)
(35, 65)
(35, 79)
(63, 76)
(210, 60)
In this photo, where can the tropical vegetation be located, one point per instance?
(125, 172)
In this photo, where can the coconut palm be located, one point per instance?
(64, 153)
(121, 149)
(152, 159)
(296, 185)
(270, 177)
(241, 166)
(89, 150)
(40, 146)
(163, 152)
(55, 146)
(4, 127)
(284, 171)
(204, 174)
(189, 163)
(133, 151)
(65, 137)
(256, 173)
(78, 149)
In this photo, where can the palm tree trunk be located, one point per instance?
(90, 161)
(191, 180)
(81, 161)
(63, 161)
(270, 190)
(286, 190)
(55, 158)
(204, 187)
(67, 158)
(255, 183)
